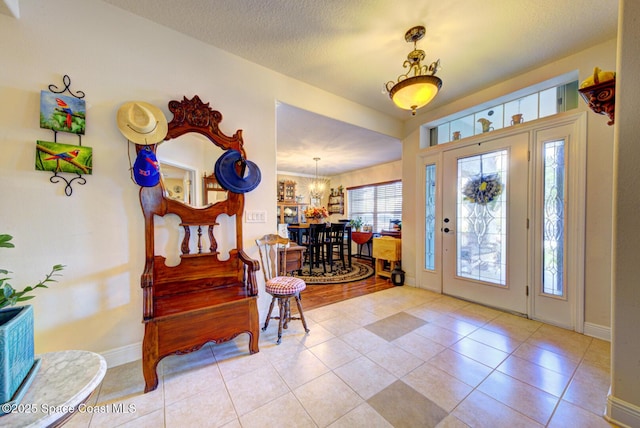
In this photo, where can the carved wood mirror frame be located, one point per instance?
(193, 116)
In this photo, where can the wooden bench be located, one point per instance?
(203, 298)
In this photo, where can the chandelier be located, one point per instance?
(317, 186)
(419, 85)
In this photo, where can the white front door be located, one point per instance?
(484, 222)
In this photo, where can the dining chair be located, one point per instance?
(335, 244)
(315, 244)
(280, 286)
(293, 233)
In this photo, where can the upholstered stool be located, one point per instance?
(282, 289)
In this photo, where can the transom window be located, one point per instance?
(534, 106)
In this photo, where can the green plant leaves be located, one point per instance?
(4, 241)
(9, 295)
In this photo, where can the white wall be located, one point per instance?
(115, 57)
(599, 174)
(624, 399)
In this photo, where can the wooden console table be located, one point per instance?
(64, 382)
(386, 249)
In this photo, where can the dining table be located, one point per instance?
(297, 233)
(363, 239)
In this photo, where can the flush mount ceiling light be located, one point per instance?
(418, 86)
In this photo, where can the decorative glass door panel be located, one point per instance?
(482, 218)
(553, 218)
(430, 217)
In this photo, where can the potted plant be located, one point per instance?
(17, 362)
(357, 223)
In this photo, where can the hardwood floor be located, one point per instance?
(315, 296)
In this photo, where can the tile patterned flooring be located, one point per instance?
(402, 357)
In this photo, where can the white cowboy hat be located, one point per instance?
(142, 123)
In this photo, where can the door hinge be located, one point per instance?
(528, 155)
(527, 223)
(527, 290)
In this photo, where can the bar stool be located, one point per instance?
(335, 241)
(281, 287)
(316, 246)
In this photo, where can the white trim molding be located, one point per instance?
(621, 413)
(598, 331)
(125, 354)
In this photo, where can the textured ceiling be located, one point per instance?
(352, 47)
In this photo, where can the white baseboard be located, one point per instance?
(597, 331)
(123, 355)
(621, 413)
(424, 287)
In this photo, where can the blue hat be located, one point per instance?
(236, 174)
(145, 169)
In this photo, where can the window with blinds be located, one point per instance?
(377, 204)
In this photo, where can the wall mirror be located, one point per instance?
(178, 182)
(186, 167)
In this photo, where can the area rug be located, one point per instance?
(338, 275)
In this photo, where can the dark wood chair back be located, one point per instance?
(273, 255)
(316, 246)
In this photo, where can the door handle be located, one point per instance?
(447, 230)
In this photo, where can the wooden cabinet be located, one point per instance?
(291, 213)
(336, 202)
(294, 259)
(286, 191)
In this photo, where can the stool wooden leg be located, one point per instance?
(287, 312)
(266, 321)
(304, 322)
(281, 320)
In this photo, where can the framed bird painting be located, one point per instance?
(62, 113)
(63, 158)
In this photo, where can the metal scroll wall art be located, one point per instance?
(63, 113)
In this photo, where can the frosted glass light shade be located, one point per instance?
(415, 92)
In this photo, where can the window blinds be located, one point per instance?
(377, 204)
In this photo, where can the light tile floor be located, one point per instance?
(401, 357)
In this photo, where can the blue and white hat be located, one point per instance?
(146, 171)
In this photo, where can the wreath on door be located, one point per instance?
(483, 189)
